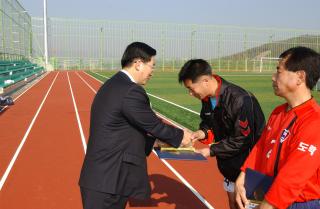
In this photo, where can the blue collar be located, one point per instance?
(213, 102)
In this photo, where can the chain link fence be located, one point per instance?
(99, 44)
(15, 31)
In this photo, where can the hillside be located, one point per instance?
(275, 48)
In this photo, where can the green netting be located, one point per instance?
(99, 44)
(15, 31)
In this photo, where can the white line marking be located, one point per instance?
(186, 183)
(170, 121)
(6, 173)
(158, 114)
(183, 180)
(95, 77)
(193, 190)
(78, 118)
(25, 91)
(172, 103)
(86, 83)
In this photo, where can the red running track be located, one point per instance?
(42, 142)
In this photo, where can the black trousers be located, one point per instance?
(99, 200)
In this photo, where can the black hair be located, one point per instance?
(193, 69)
(306, 59)
(137, 50)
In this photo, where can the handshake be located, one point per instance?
(190, 137)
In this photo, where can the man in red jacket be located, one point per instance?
(288, 149)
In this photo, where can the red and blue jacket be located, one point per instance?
(298, 177)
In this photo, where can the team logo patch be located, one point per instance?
(284, 135)
(243, 124)
(245, 129)
(246, 132)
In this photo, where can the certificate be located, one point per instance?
(181, 153)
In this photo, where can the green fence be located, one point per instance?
(99, 44)
(15, 31)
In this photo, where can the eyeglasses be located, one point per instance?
(151, 66)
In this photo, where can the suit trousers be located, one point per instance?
(313, 204)
(100, 200)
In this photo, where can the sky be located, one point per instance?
(291, 14)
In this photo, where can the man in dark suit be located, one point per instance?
(123, 129)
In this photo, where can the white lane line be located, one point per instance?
(78, 118)
(15, 156)
(170, 121)
(158, 114)
(167, 101)
(183, 180)
(174, 104)
(95, 77)
(191, 188)
(186, 183)
(86, 83)
(15, 99)
(103, 76)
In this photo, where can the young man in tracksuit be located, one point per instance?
(231, 120)
(288, 149)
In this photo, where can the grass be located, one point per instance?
(166, 86)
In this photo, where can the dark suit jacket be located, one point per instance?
(123, 128)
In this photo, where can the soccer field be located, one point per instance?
(166, 86)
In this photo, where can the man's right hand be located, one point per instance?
(198, 135)
(186, 140)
